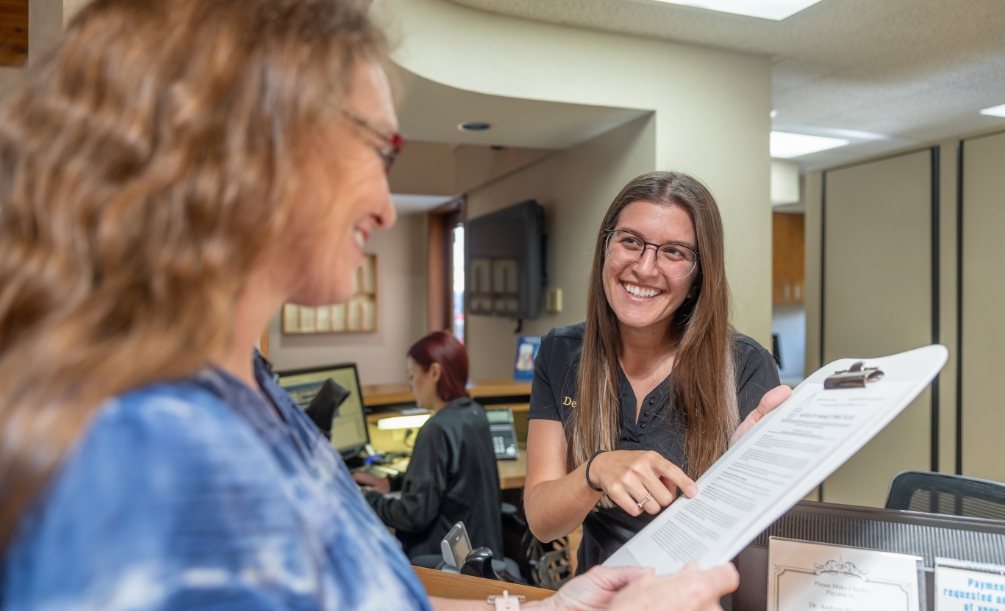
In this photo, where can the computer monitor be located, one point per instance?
(349, 433)
(927, 535)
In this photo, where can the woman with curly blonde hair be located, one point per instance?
(170, 175)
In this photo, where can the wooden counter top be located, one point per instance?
(381, 395)
(454, 585)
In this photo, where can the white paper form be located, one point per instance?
(778, 462)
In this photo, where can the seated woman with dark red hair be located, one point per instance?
(452, 474)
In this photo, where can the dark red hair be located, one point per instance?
(441, 347)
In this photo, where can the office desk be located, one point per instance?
(386, 400)
(487, 392)
(454, 585)
(511, 472)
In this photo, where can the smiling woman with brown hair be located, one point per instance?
(630, 406)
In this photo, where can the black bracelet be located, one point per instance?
(589, 482)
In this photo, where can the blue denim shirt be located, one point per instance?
(196, 494)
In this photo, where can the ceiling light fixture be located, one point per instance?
(786, 145)
(474, 126)
(764, 9)
(994, 111)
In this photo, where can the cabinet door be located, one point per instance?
(787, 258)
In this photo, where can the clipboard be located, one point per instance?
(800, 444)
(856, 376)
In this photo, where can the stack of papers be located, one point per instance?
(779, 461)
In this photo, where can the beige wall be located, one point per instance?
(877, 291)
(8, 78)
(983, 340)
(575, 187)
(710, 109)
(885, 304)
(380, 356)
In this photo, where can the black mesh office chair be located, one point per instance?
(947, 494)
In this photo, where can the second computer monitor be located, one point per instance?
(349, 434)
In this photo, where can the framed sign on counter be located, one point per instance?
(357, 315)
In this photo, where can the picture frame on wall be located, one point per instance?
(357, 315)
(527, 347)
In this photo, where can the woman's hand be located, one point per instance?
(640, 480)
(633, 588)
(771, 399)
(380, 484)
(691, 589)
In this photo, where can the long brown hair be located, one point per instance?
(703, 381)
(147, 164)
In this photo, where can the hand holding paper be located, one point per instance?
(775, 464)
(771, 399)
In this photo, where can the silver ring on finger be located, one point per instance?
(649, 497)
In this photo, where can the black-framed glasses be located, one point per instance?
(392, 143)
(675, 259)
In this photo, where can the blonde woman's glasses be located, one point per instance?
(392, 143)
(625, 247)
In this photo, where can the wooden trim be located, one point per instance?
(436, 270)
(456, 586)
(13, 32)
(263, 343)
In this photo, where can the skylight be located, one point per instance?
(994, 111)
(786, 145)
(765, 9)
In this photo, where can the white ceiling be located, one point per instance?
(430, 112)
(886, 73)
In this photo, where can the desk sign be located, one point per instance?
(968, 586)
(806, 575)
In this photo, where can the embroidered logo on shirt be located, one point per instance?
(568, 402)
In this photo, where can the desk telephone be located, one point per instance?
(503, 433)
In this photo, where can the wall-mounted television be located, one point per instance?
(506, 271)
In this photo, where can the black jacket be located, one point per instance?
(661, 424)
(451, 477)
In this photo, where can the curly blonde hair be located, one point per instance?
(147, 165)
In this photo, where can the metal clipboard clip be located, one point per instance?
(855, 376)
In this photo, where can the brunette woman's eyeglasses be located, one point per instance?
(392, 142)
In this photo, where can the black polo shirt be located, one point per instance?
(660, 426)
(452, 477)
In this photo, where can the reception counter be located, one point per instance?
(454, 585)
(381, 397)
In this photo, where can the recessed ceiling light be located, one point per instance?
(765, 9)
(994, 111)
(785, 145)
(474, 126)
(773, 113)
